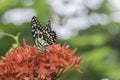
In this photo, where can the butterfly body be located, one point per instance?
(43, 36)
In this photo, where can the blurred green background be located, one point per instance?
(92, 26)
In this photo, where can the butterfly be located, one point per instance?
(42, 36)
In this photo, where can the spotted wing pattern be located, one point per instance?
(42, 36)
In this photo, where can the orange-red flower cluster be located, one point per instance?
(26, 63)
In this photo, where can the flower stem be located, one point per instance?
(16, 38)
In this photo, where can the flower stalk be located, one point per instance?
(16, 38)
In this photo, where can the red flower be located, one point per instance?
(25, 63)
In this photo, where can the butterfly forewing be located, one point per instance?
(48, 27)
(42, 36)
(51, 34)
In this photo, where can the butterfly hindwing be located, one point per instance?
(42, 36)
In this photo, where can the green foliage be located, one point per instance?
(16, 38)
(86, 40)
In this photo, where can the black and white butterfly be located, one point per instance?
(42, 36)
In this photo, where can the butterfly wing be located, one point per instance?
(37, 32)
(36, 28)
(42, 36)
(51, 35)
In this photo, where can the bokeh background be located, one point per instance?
(92, 26)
